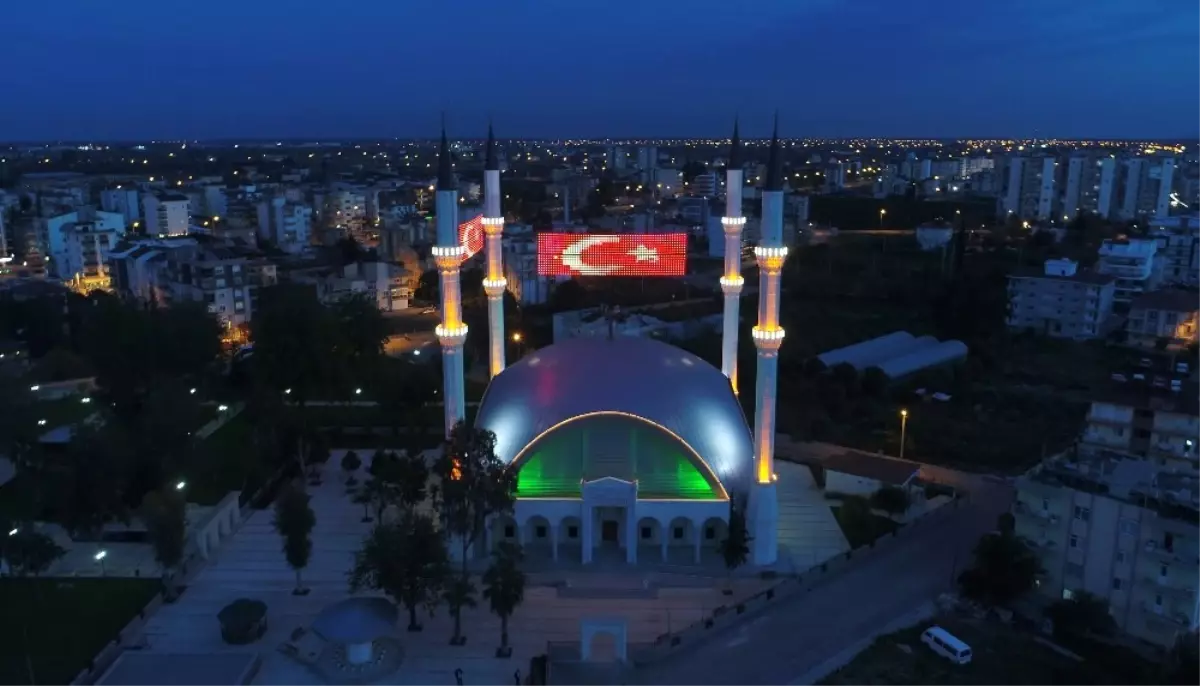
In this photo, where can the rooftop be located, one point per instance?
(1172, 300)
(1077, 277)
(881, 468)
(1122, 477)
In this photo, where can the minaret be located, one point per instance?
(494, 283)
(763, 513)
(731, 281)
(449, 255)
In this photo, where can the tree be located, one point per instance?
(1004, 569)
(891, 499)
(1182, 665)
(404, 478)
(568, 295)
(350, 464)
(473, 485)
(1082, 614)
(294, 520)
(504, 588)
(1006, 523)
(85, 485)
(459, 594)
(363, 333)
(407, 561)
(29, 552)
(735, 549)
(164, 512)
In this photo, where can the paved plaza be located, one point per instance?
(652, 601)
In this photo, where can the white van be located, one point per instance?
(947, 645)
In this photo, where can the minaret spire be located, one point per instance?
(731, 280)
(763, 515)
(494, 282)
(448, 253)
(445, 179)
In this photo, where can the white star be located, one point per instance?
(644, 254)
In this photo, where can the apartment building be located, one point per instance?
(1132, 263)
(288, 225)
(1089, 185)
(225, 278)
(123, 199)
(1122, 529)
(1146, 418)
(1178, 255)
(167, 214)
(1168, 315)
(1060, 301)
(1029, 191)
(389, 286)
(1146, 187)
(84, 256)
(136, 268)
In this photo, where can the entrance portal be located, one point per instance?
(608, 531)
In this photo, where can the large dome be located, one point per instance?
(666, 400)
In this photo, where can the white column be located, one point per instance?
(631, 538)
(585, 526)
(554, 540)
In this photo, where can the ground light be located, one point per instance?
(181, 485)
(99, 557)
(192, 392)
(34, 387)
(222, 408)
(903, 430)
(14, 532)
(358, 391)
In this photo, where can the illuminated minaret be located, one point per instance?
(449, 254)
(731, 280)
(494, 283)
(763, 513)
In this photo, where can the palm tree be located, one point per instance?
(504, 588)
(459, 594)
(294, 520)
(735, 549)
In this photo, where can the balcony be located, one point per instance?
(1041, 516)
(1170, 585)
(1159, 613)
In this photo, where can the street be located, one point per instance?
(785, 643)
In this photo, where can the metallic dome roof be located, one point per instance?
(639, 376)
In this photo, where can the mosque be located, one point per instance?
(628, 448)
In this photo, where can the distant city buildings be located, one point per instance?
(1060, 301)
(167, 214)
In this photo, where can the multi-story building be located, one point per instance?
(704, 185)
(1061, 301)
(1089, 186)
(286, 224)
(122, 199)
(226, 279)
(1168, 315)
(167, 214)
(1122, 529)
(1146, 187)
(85, 253)
(1133, 263)
(1029, 191)
(53, 230)
(136, 268)
(1178, 256)
(389, 286)
(1136, 417)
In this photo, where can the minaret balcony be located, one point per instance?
(449, 257)
(495, 287)
(733, 225)
(767, 339)
(451, 336)
(732, 285)
(492, 225)
(771, 259)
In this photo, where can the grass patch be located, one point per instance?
(1002, 655)
(863, 530)
(62, 624)
(227, 461)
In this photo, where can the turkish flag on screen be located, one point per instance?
(598, 254)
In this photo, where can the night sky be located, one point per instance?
(140, 69)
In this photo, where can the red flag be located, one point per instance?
(470, 235)
(598, 254)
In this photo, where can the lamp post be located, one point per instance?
(903, 430)
(99, 557)
(881, 213)
(517, 338)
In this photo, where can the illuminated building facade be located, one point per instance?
(627, 448)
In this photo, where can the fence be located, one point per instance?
(789, 587)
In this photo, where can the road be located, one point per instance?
(785, 643)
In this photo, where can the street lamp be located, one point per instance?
(181, 485)
(99, 557)
(14, 532)
(903, 430)
(881, 213)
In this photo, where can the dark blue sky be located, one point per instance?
(83, 69)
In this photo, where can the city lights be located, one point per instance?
(571, 254)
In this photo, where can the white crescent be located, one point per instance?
(572, 256)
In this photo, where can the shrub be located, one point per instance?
(243, 621)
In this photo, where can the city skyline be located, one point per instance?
(1112, 69)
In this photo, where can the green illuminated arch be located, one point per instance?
(613, 445)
